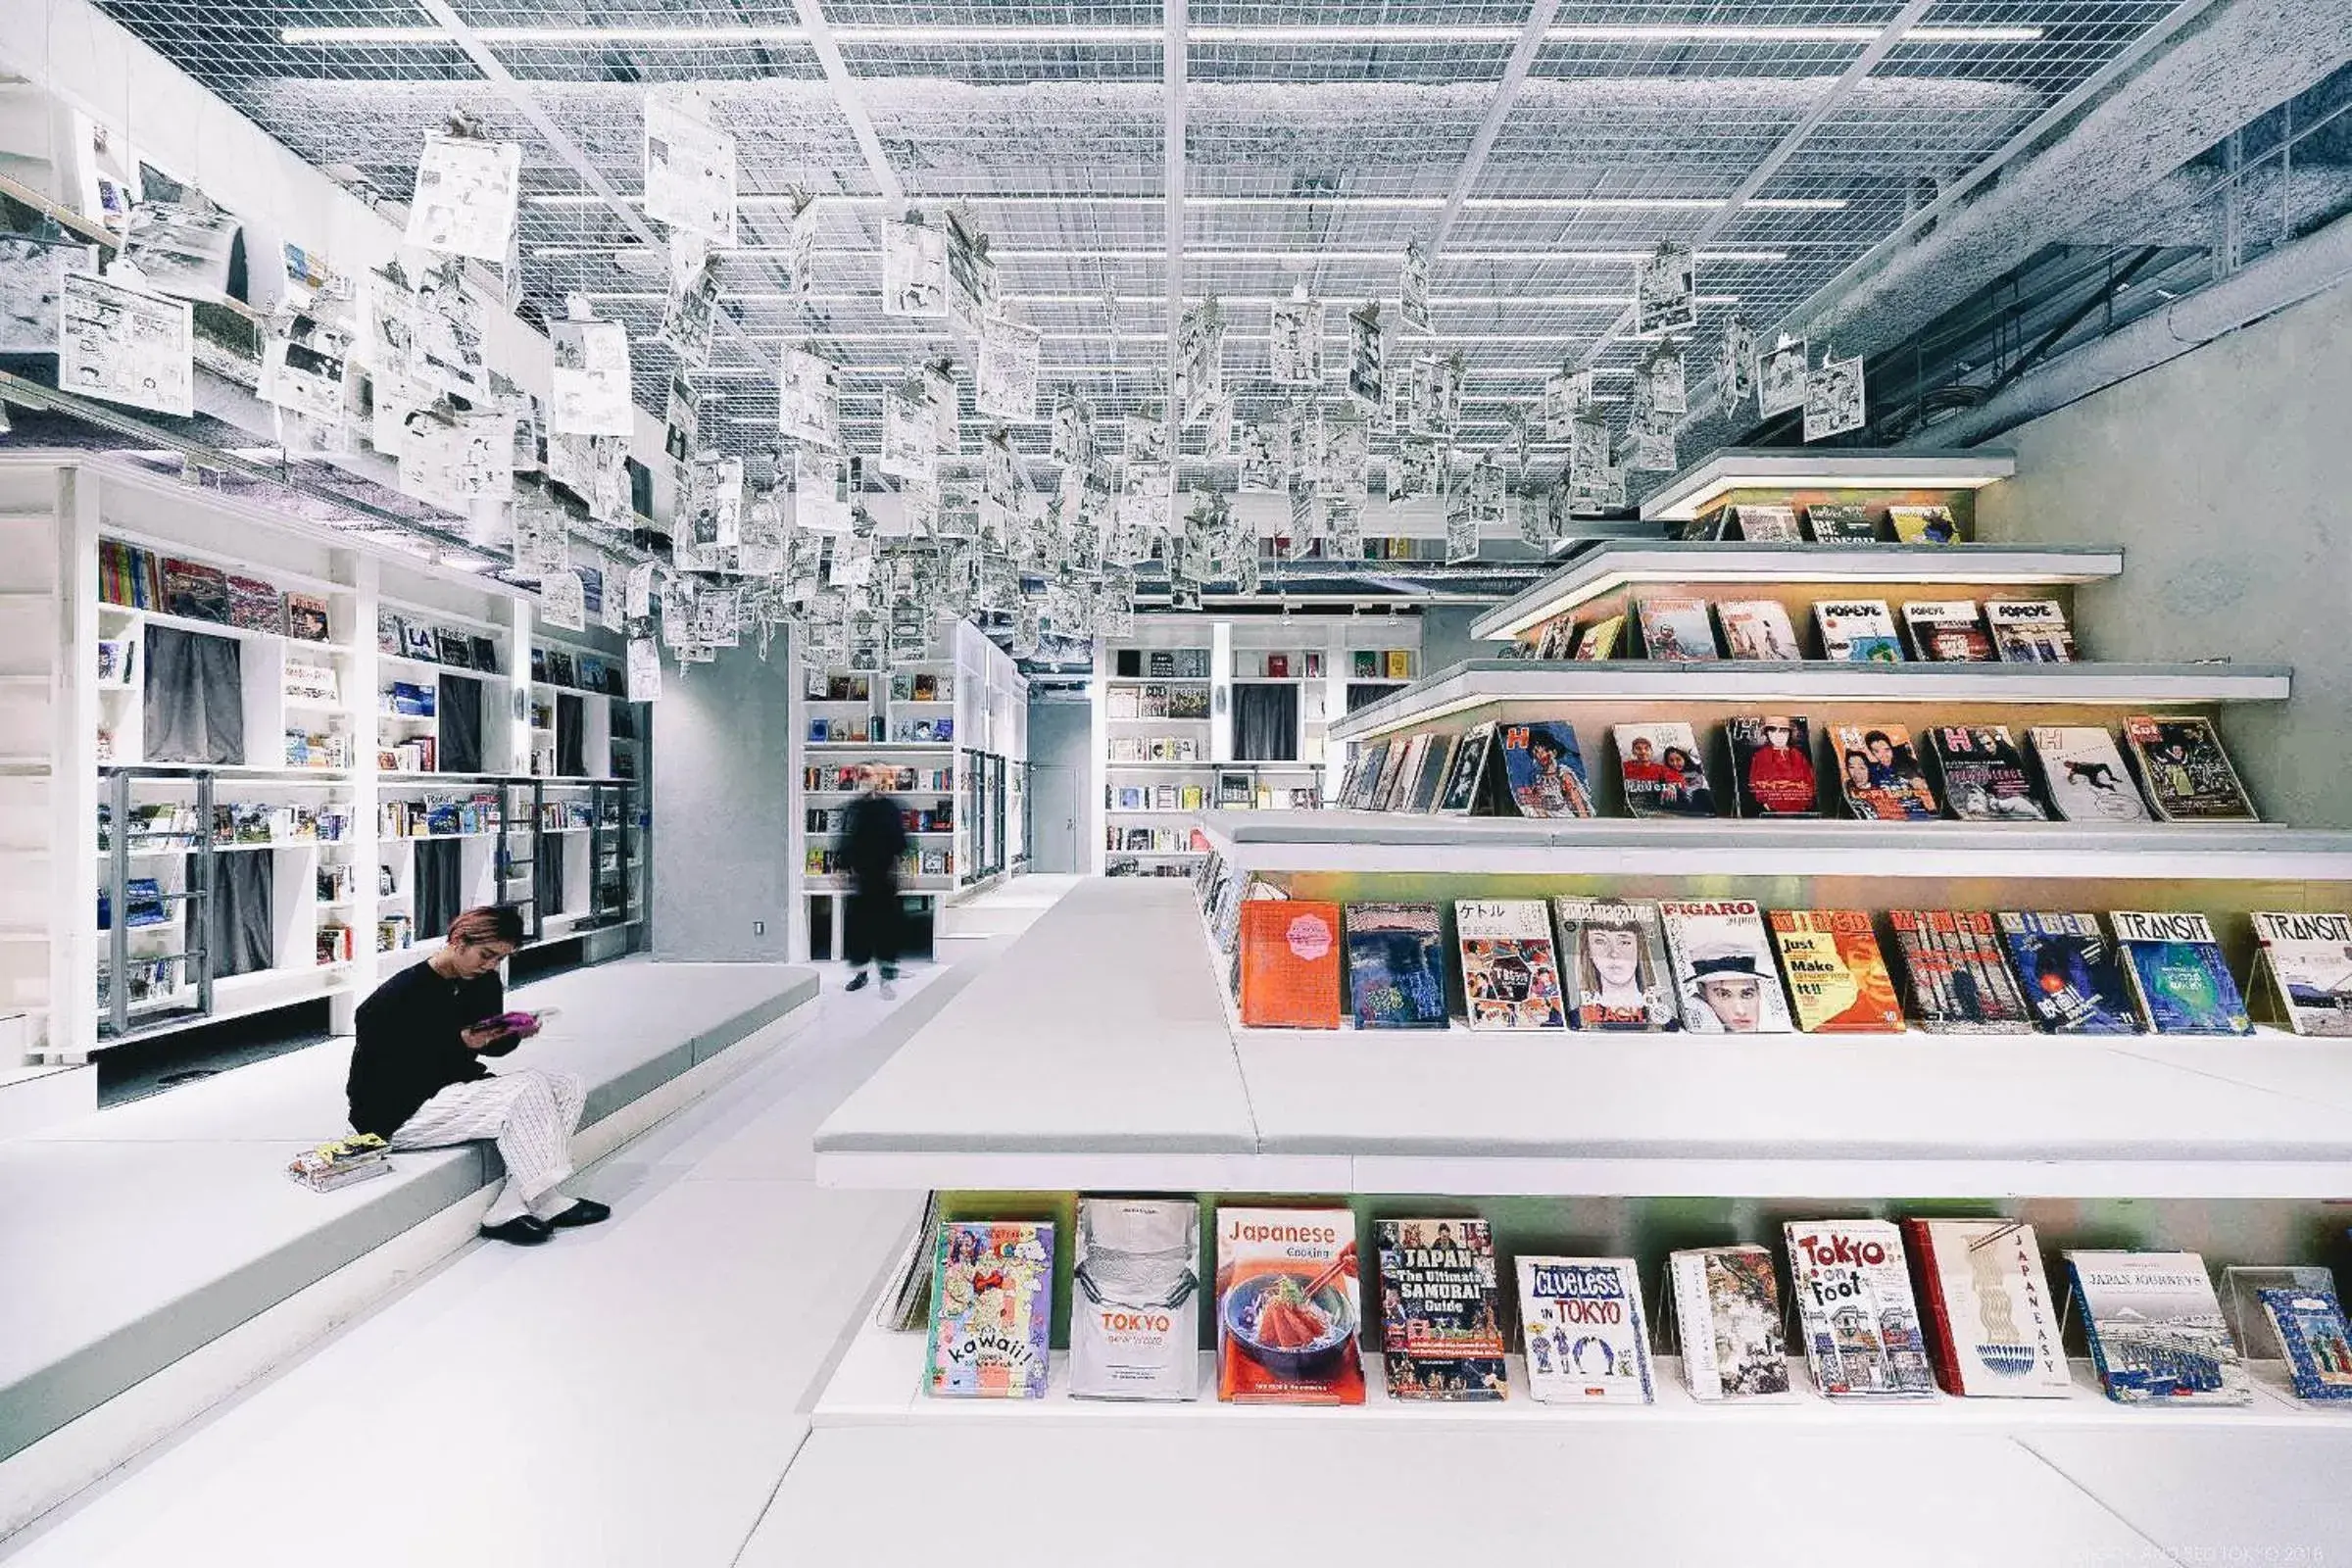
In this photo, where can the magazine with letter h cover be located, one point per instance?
(1661, 771)
(1440, 1315)
(1772, 765)
(1613, 963)
(1996, 1330)
(1881, 775)
(1545, 768)
(2082, 774)
(2156, 1334)
(1288, 1308)
(1853, 1300)
(1511, 973)
(1726, 1312)
(2303, 971)
(2177, 972)
(992, 1306)
(1984, 778)
(1723, 970)
(1581, 1327)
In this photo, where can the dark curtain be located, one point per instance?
(547, 875)
(439, 897)
(1265, 723)
(239, 932)
(460, 725)
(1365, 696)
(195, 701)
(571, 734)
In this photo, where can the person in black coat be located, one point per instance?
(873, 836)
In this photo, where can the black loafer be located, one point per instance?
(523, 1230)
(583, 1211)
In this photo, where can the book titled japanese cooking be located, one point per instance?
(1958, 973)
(992, 1305)
(1993, 1324)
(1545, 768)
(2082, 774)
(1288, 1308)
(1723, 970)
(1853, 1303)
(2187, 774)
(2303, 971)
(1396, 966)
(1727, 1314)
(2309, 1324)
(1135, 1299)
(1984, 778)
(1676, 630)
(1583, 1330)
(2069, 973)
(1290, 964)
(1837, 979)
(1510, 972)
(2156, 1334)
(2177, 970)
(1661, 770)
(1613, 965)
(1772, 765)
(1441, 1316)
(1879, 773)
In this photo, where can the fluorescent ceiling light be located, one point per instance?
(1194, 253)
(922, 37)
(1605, 204)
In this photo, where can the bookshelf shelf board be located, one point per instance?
(1696, 488)
(249, 774)
(437, 668)
(1159, 680)
(1157, 718)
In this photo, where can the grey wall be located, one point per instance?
(722, 789)
(1446, 636)
(1062, 735)
(2224, 475)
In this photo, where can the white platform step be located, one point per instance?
(35, 1099)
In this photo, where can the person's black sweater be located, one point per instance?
(410, 1048)
(873, 835)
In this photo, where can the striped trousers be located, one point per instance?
(531, 1114)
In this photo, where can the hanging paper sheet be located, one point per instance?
(1004, 385)
(1365, 346)
(937, 385)
(809, 405)
(303, 369)
(1415, 286)
(1736, 365)
(1833, 401)
(182, 250)
(714, 507)
(1294, 356)
(914, 270)
(645, 670)
(1781, 380)
(1665, 292)
(542, 542)
(32, 291)
(120, 345)
(1200, 359)
(464, 197)
(690, 315)
(588, 387)
(909, 450)
(430, 334)
(453, 462)
(689, 172)
(562, 602)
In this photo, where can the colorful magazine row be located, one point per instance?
(1825, 523)
(138, 578)
(1289, 1301)
(1680, 630)
(2171, 769)
(1726, 966)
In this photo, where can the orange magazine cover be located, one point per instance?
(1290, 964)
(1837, 980)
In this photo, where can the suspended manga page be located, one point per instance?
(1217, 422)
(1347, 466)
(1461, 533)
(762, 550)
(529, 424)
(1146, 440)
(809, 405)
(689, 172)
(1668, 393)
(1415, 287)
(182, 250)
(450, 464)
(823, 492)
(713, 506)
(971, 279)
(303, 369)
(430, 334)
(919, 508)
(1264, 455)
(563, 603)
(1364, 348)
(1587, 460)
(588, 387)
(1833, 398)
(604, 599)
(542, 540)
(1665, 292)
(1005, 384)
(1781, 380)
(803, 241)
(637, 591)
(1200, 359)
(682, 421)
(1294, 356)
(938, 385)
(1736, 365)
(998, 481)
(717, 618)
(908, 448)
(464, 197)
(122, 346)
(1415, 470)
(1425, 402)
(645, 670)
(1649, 444)
(1484, 489)
(1073, 442)
(32, 291)
(1344, 528)
(1540, 519)
(914, 270)
(691, 312)
(677, 611)
(1306, 517)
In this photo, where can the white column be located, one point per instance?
(73, 776)
(1220, 692)
(1089, 810)
(360, 684)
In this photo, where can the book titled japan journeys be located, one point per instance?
(2084, 774)
(1853, 1302)
(1677, 630)
(2069, 973)
(1510, 975)
(1288, 1308)
(1661, 771)
(2309, 1324)
(1135, 1299)
(1614, 965)
(1467, 770)
(1726, 1311)
(1758, 629)
(1984, 778)
(2030, 631)
(1545, 768)
(2156, 1334)
(1772, 765)
(1583, 1330)
(1880, 774)
(1396, 966)
(1290, 964)
(2303, 971)
(1947, 631)
(2187, 774)
(992, 1285)
(2177, 970)
(1838, 981)
(1441, 1316)
(1996, 1330)
(1857, 631)
(1723, 970)
(1960, 982)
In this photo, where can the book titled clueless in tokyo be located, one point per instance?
(2177, 972)
(1837, 979)
(1995, 1325)
(992, 1288)
(1581, 1326)
(1853, 1298)
(1440, 1318)
(1288, 1308)
(1290, 964)
(2069, 973)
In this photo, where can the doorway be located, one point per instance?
(1053, 831)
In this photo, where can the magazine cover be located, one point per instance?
(992, 1306)
(1759, 629)
(1960, 982)
(1726, 1311)
(1600, 639)
(1402, 759)
(1984, 778)
(1582, 1327)
(1837, 980)
(1879, 776)
(1853, 1300)
(2084, 774)
(1441, 1316)
(1290, 964)
(2187, 774)
(1923, 525)
(1723, 970)
(1995, 1323)
(1840, 521)
(1287, 1309)
(1396, 966)
(1857, 631)
(2157, 1334)
(1947, 631)
(194, 591)
(1135, 1299)
(1546, 769)
(2310, 1325)
(2070, 975)
(1661, 769)
(1677, 630)
(1772, 765)
(1614, 966)
(1363, 776)
(1436, 763)
(1468, 770)
(1511, 975)
(2303, 966)
(1767, 524)
(2030, 631)
(2177, 972)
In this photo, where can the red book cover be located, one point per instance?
(1289, 1307)
(1290, 964)
(1927, 1289)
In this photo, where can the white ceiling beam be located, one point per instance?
(847, 100)
(1499, 110)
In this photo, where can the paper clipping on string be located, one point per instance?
(937, 385)
(1415, 286)
(637, 591)
(1200, 358)
(690, 314)
(542, 546)
(1365, 346)
(1294, 355)
(1004, 382)
(564, 602)
(184, 250)
(713, 509)
(1780, 381)
(808, 398)
(909, 451)
(914, 270)
(452, 463)
(122, 346)
(971, 279)
(32, 291)
(689, 172)
(1665, 292)
(464, 196)
(588, 387)
(681, 421)
(303, 369)
(430, 334)
(1736, 365)
(803, 243)
(645, 670)
(1833, 402)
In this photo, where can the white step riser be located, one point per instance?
(35, 1102)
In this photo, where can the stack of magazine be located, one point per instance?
(342, 1163)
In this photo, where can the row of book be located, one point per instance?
(1825, 522)
(1289, 1291)
(1678, 629)
(862, 731)
(173, 824)
(1157, 700)
(1161, 663)
(1130, 865)
(1234, 792)
(1158, 749)
(940, 818)
(320, 749)
(1726, 966)
(914, 862)
(137, 579)
(419, 754)
(1155, 841)
(555, 666)
(438, 816)
(905, 686)
(403, 638)
(1191, 663)
(851, 780)
(2170, 768)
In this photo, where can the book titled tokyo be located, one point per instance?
(2187, 774)
(1290, 964)
(1984, 778)
(1510, 972)
(2303, 962)
(1135, 1299)
(2179, 974)
(1441, 1316)
(1995, 1325)
(992, 1306)
(2071, 977)
(2310, 1325)
(1396, 966)
(1960, 981)
(1660, 767)
(1613, 963)
(1581, 1327)
(1545, 768)
(1288, 1308)
(1853, 1300)
(1838, 982)
(1772, 765)
(1677, 630)
(1726, 1312)
(1857, 631)
(2156, 1334)
(1723, 970)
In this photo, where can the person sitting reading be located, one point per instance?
(417, 1080)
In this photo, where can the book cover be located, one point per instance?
(2157, 1334)
(1726, 1312)
(1436, 763)
(2030, 631)
(416, 642)
(2082, 774)
(1879, 776)
(1723, 970)
(2187, 774)
(1468, 770)
(1838, 982)
(2303, 965)
(195, 591)
(1677, 630)
(1581, 1327)
(1400, 663)
(1857, 631)
(1363, 777)
(1853, 1303)
(992, 1306)
(1660, 767)
(2311, 1330)
(2073, 981)
(1290, 964)
(1923, 525)
(1947, 631)
(2177, 970)
(1545, 768)
(1984, 777)
(1555, 638)
(1440, 1315)
(1840, 521)
(1135, 1299)
(1401, 759)
(1510, 972)
(1600, 639)
(1395, 965)
(1996, 1328)
(1288, 1309)
(1767, 524)
(1959, 978)
(1614, 966)
(255, 604)
(1758, 629)
(307, 618)
(1772, 765)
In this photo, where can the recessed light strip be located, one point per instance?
(1601, 204)
(1015, 253)
(1080, 35)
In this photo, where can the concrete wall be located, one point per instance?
(724, 805)
(1446, 637)
(2224, 475)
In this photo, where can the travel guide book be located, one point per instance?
(1290, 964)
(2082, 774)
(1993, 1324)
(2072, 979)
(1677, 630)
(1583, 1330)
(1838, 982)
(1853, 1303)
(2187, 774)
(1396, 966)
(1857, 631)
(1758, 629)
(1840, 521)
(2311, 1330)
(1135, 1299)
(992, 1306)
(2030, 631)
(1947, 631)
(2303, 971)
(1984, 777)
(1772, 765)
(2156, 1334)
(1288, 1308)
(1726, 1312)
(1957, 972)
(1660, 767)
(1724, 975)
(1613, 965)
(1468, 770)
(2177, 970)
(1440, 1315)
(1545, 768)
(1879, 776)
(1510, 972)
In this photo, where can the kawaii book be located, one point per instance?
(992, 1296)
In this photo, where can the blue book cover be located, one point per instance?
(2311, 1330)
(2069, 971)
(2180, 974)
(1395, 965)
(1546, 770)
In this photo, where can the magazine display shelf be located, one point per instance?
(1730, 475)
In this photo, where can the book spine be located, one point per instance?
(1930, 1287)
